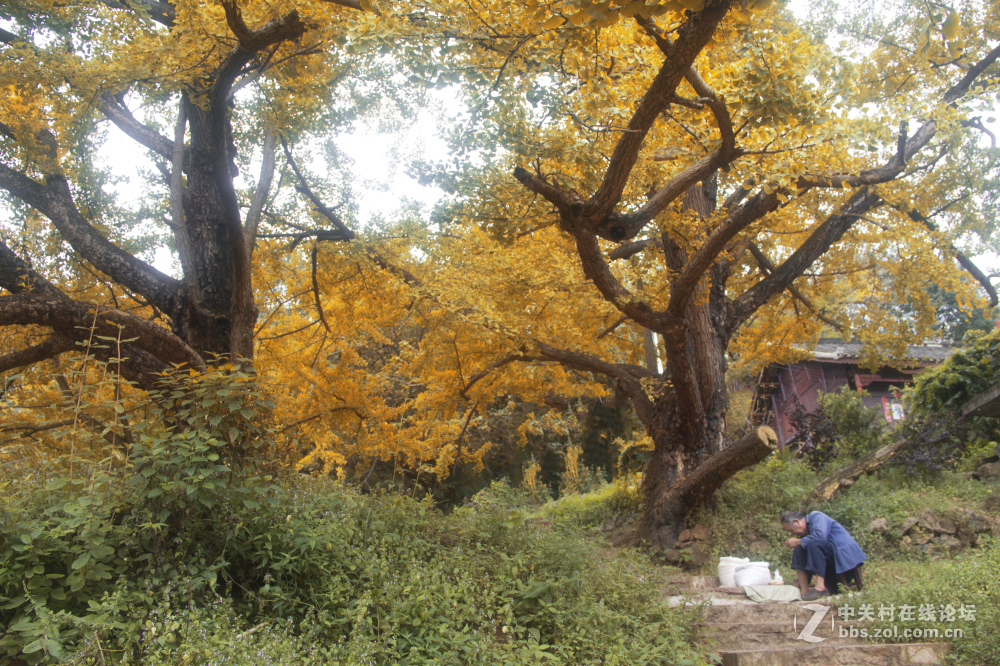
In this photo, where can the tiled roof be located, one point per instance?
(828, 349)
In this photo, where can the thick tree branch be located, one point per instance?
(563, 201)
(289, 27)
(506, 360)
(106, 433)
(623, 227)
(595, 268)
(710, 475)
(767, 268)
(116, 112)
(834, 227)
(691, 39)
(68, 317)
(17, 278)
(632, 248)
(55, 344)
(683, 288)
(55, 201)
(628, 376)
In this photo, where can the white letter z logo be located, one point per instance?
(819, 612)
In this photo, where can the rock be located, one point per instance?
(951, 543)
(921, 538)
(971, 524)
(906, 542)
(701, 533)
(987, 472)
(975, 521)
(992, 503)
(879, 526)
(673, 556)
(759, 547)
(685, 536)
(947, 526)
(934, 523)
(907, 525)
(698, 555)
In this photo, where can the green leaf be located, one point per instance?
(81, 561)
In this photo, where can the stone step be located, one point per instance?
(839, 655)
(754, 635)
(695, 582)
(776, 612)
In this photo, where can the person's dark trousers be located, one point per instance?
(816, 559)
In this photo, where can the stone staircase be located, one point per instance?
(744, 633)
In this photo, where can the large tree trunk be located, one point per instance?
(691, 459)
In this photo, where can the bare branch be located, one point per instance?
(966, 263)
(315, 289)
(614, 327)
(304, 189)
(263, 188)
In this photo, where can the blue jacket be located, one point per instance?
(847, 553)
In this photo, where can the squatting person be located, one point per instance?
(822, 549)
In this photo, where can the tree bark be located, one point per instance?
(846, 476)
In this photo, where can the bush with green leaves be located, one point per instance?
(621, 496)
(188, 550)
(345, 578)
(860, 429)
(968, 372)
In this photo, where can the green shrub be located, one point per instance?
(315, 573)
(965, 374)
(621, 496)
(860, 429)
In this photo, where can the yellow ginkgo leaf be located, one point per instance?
(950, 27)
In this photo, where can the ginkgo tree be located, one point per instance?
(715, 173)
(724, 177)
(236, 81)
